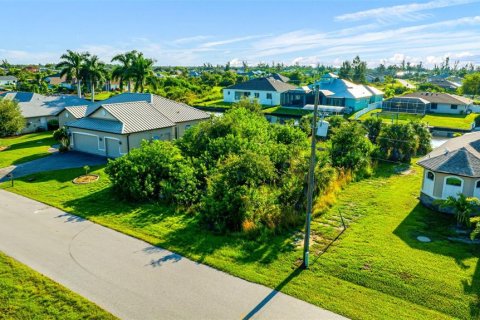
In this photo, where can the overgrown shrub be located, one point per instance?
(155, 171)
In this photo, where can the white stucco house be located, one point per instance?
(451, 169)
(446, 102)
(7, 81)
(266, 90)
(38, 109)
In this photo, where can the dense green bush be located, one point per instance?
(155, 171)
(350, 148)
(11, 119)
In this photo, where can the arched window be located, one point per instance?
(452, 186)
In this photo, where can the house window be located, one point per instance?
(453, 182)
(187, 126)
(228, 92)
(453, 106)
(433, 106)
(269, 96)
(66, 115)
(478, 184)
(257, 95)
(430, 175)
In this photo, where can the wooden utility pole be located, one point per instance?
(311, 180)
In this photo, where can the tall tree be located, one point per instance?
(142, 72)
(471, 84)
(72, 64)
(94, 72)
(123, 72)
(359, 70)
(345, 71)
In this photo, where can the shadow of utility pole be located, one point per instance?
(272, 294)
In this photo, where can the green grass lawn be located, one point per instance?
(25, 148)
(451, 121)
(375, 270)
(99, 96)
(26, 294)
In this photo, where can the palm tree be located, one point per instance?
(123, 72)
(142, 72)
(72, 65)
(463, 207)
(94, 72)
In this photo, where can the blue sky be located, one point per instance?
(193, 32)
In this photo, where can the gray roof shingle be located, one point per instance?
(263, 84)
(458, 156)
(441, 97)
(97, 125)
(77, 111)
(177, 112)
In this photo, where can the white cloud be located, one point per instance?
(408, 12)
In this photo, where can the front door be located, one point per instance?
(112, 147)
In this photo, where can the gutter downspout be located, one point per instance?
(128, 143)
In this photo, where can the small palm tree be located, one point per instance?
(463, 208)
(94, 72)
(72, 65)
(123, 72)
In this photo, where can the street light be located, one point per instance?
(311, 181)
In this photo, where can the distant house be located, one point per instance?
(445, 102)
(278, 76)
(57, 80)
(114, 126)
(8, 81)
(38, 109)
(266, 90)
(452, 168)
(406, 105)
(348, 94)
(194, 74)
(446, 84)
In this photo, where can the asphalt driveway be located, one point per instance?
(131, 278)
(56, 161)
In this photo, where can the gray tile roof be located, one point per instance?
(263, 84)
(278, 76)
(37, 105)
(458, 156)
(97, 125)
(177, 112)
(77, 111)
(138, 116)
(441, 98)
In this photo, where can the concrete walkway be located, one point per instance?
(56, 161)
(129, 277)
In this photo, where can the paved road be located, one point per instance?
(129, 277)
(56, 161)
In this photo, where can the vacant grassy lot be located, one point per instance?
(99, 96)
(25, 148)
(451, 121)
(26, 294)
(375, 270)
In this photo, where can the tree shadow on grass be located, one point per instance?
(438, 226)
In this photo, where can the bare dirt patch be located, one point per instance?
(87, 178)
(3, 148)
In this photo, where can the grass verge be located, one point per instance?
(375, 270)
(26, 294)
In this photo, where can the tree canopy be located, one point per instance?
(11, 119)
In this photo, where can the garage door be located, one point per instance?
(113, 148)
(85, 143)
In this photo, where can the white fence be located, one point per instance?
(371, 106)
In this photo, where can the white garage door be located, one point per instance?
(85, 143)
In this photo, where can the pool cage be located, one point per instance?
(406, 105)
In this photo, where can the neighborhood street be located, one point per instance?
(129, 277)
